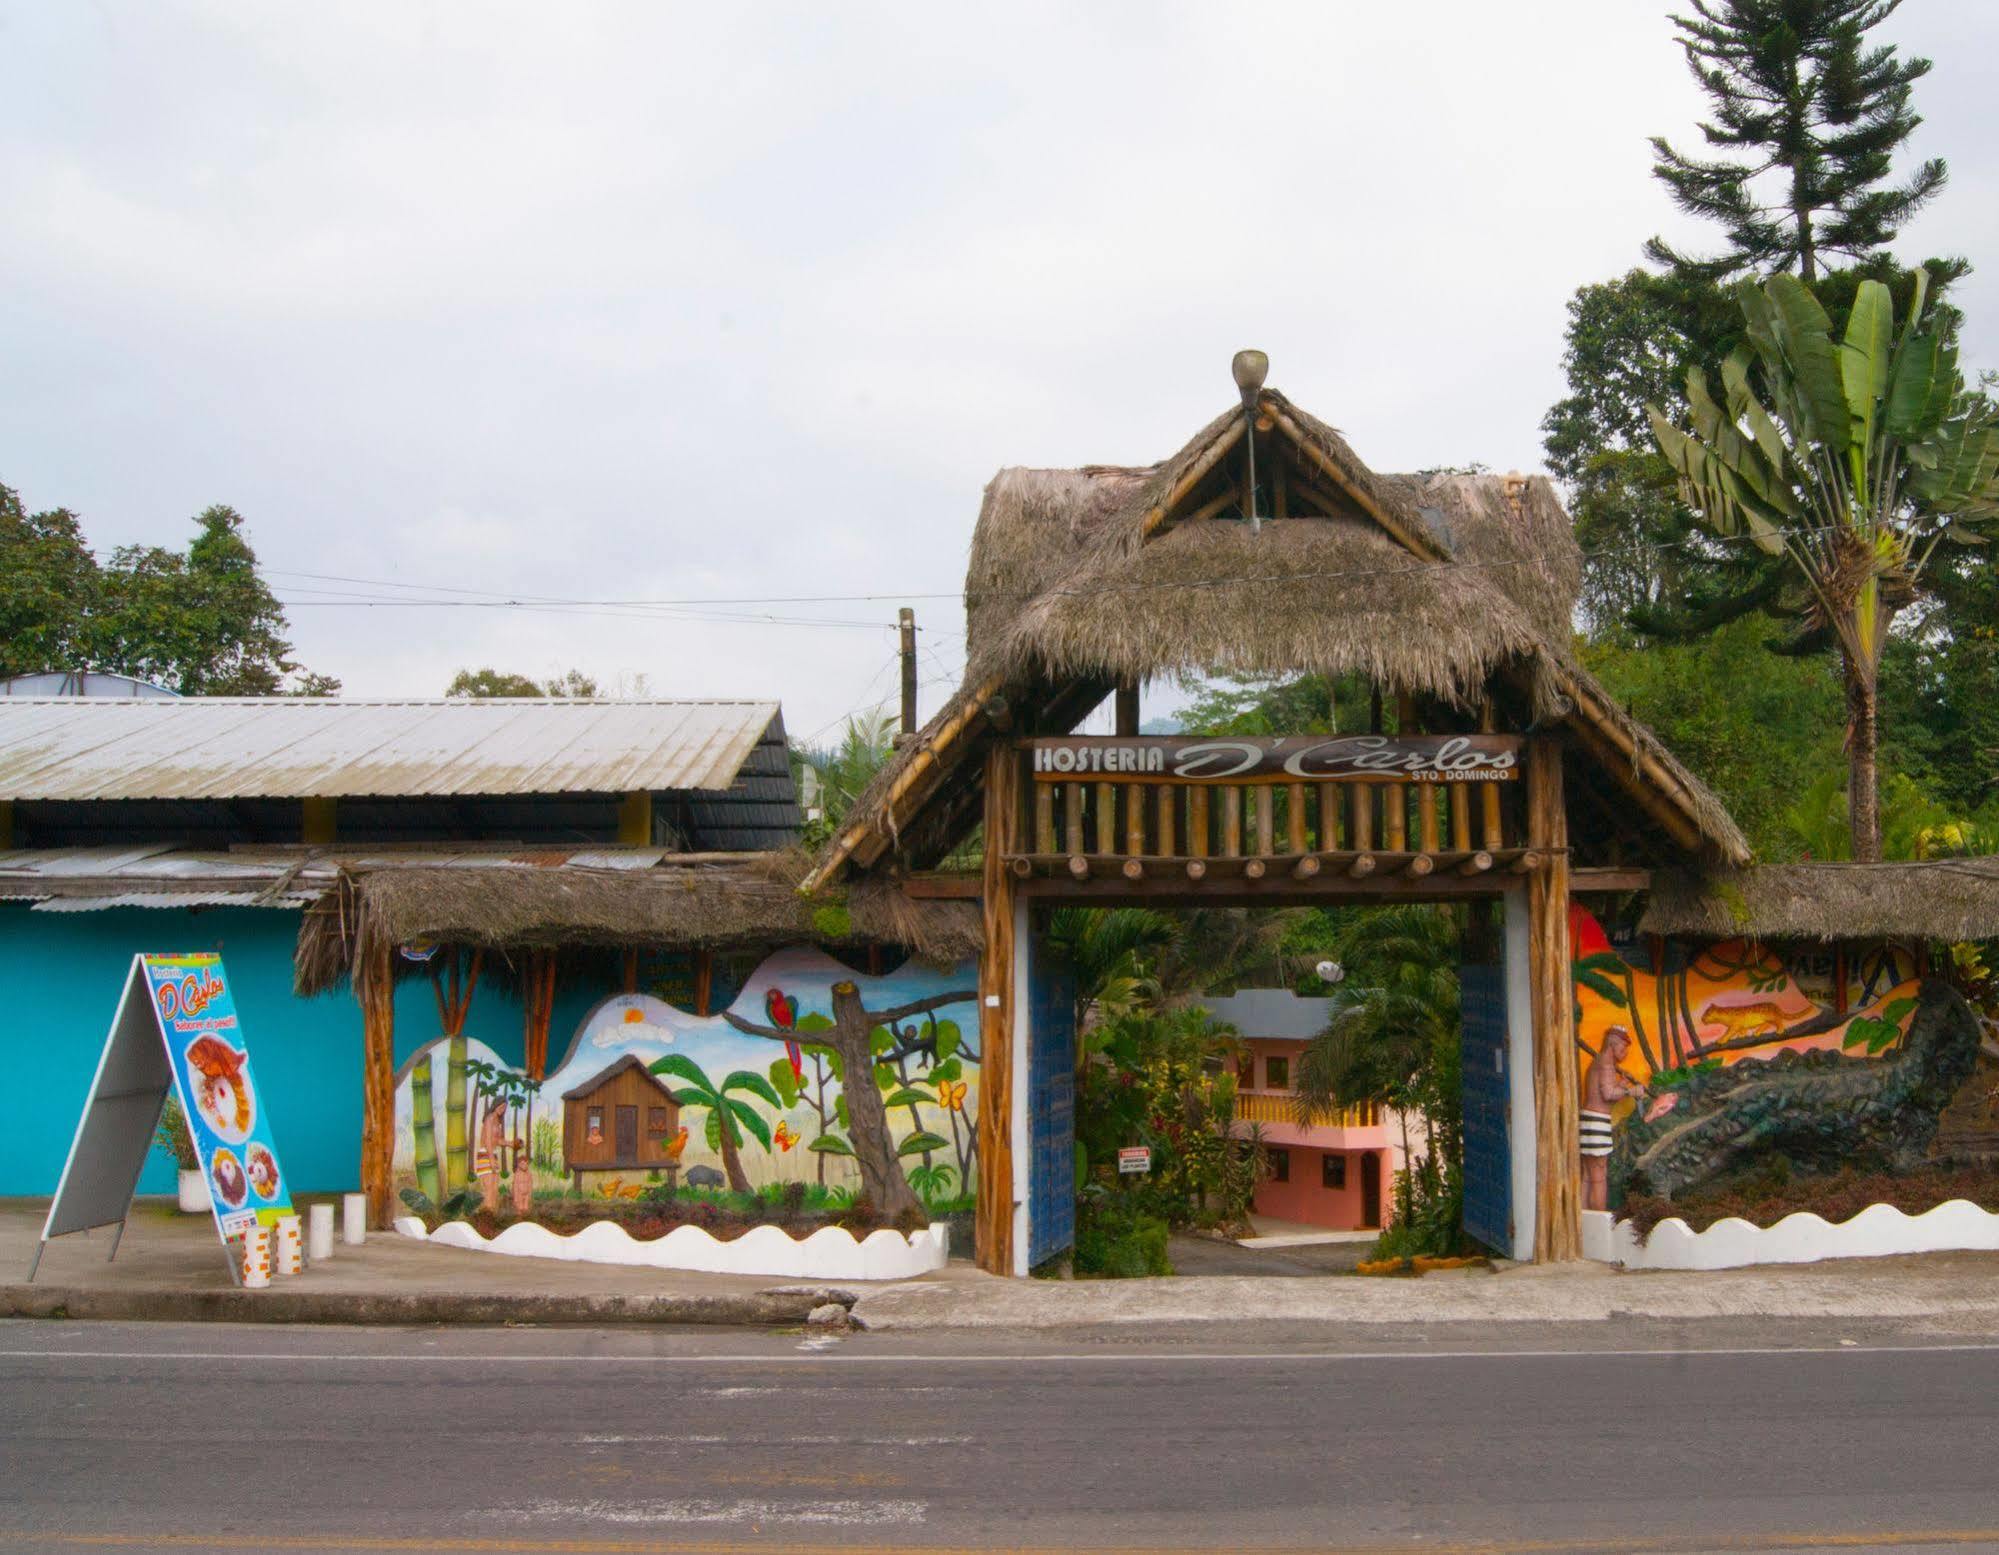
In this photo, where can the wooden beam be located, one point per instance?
(1132, 869)
(1162, 515)
(1305, 868)
(1476, 863)
(1079, 866)
(993, 1212)
(1670, 818)
(1416, 543)
(1254, 869)
(1557, 1097)
(1197, 869)
(1126, 713)
(1362, 865)
(1525, 862)
(1419, 864)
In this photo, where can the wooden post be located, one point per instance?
(905, 623)
(1126, 708)
(1231, 822)
(1491, 831)
(1169, 797)
(1072, 809)
(1044, 817)
(635, 819)
(1557, 1098)
(1197, 821)
(1134, 819)
(1264, 795)
(1329, 817)
(704, 982)
(1296, 839)
(1360, 827)
(993, 1217)
(375, 987)
(1106, 819)
(318, 821)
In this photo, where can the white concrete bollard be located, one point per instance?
(289, 1256)
(319, 1232)
(354, 1219)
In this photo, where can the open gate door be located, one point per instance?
(1051, 1105)
(1487, 1103)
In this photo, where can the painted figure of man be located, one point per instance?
(1604, 1086)
(486, 1163)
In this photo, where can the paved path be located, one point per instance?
(154, 1437)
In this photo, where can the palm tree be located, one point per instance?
(1855, 459)
(727, 1117)
(1113, 952)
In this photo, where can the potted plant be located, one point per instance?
(173, 1137)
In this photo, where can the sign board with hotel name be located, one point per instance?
(1353, 758)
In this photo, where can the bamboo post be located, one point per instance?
(1360, 830)
(1395, 816)
(1264, 796)
(1072, 807)
(374, 987)
(1491, 831)
(1426, 819)
(1134, 819)
(1460, 818)
(1169, 801)
(1106, 818)
(1557, 1097)
(1232, 822)
(1329, 817)
(993, 1216)
(1296, 839)
(1197, 822)
(1044, 817)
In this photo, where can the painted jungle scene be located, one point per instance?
(1740, 1073)
(657, 1117)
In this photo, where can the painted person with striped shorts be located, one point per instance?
(1604, 1086)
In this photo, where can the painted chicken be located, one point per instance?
(783, 1012)
(678, 1146)
(223, 1088)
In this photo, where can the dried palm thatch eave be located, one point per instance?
(1935, 899)
(751, 905)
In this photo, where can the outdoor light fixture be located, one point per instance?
(1331, 972)
(1249, 369)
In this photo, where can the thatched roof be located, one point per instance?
(714, 902)
(1428, 585)
(1937, 899)
(1070, 575)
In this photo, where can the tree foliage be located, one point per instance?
(505, 683)
(1808, 116)
(203, 622)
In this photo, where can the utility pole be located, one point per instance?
(906, 627)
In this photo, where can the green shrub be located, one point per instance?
(1119, 1241)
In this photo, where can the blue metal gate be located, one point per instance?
(1051, 1105)
(1487, 1102)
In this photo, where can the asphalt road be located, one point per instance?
(156, 1437)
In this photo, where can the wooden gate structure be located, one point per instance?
(1484, 762)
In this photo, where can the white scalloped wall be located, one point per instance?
(830, 1253)
(1879, 1231)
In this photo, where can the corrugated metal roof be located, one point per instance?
(77, 748)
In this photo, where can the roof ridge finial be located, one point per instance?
(1249, 369)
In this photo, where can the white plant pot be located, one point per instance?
(194, 1195)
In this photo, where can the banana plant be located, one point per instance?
(1855, 458)
(728, 1118)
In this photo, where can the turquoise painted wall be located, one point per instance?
(64, 972)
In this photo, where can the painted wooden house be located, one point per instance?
(621, 1119)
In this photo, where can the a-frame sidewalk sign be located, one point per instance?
(176, 1029)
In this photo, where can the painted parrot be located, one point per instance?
(783, 1012)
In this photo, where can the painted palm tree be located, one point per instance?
(1852, 458)
(728, 1117)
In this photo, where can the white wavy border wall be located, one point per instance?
(830, 1253)
(1878, 1231)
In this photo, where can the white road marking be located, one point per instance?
(679, 1438)
(488, 1358)
(843, 1514)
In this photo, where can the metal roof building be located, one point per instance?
(222, 771)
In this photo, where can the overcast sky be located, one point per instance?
(714, 303)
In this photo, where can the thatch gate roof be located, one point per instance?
(1434, 586)
(1935, 899)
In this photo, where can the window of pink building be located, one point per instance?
(1277, 1073)
(1332, 1170)
(1280, 1165)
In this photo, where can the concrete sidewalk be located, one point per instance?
(172, 1266)
(1960, 1288)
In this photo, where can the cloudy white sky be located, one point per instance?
(659, 302)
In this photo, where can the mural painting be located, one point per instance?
(653, 1105)
(1698, 1059)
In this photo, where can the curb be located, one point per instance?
(754, 1309)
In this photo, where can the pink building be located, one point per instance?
(1336, 1170)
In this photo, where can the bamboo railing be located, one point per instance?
(1278, 1107)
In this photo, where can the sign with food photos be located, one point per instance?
(210, 1060)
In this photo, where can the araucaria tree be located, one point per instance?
(1807, 115)
(851, 1036)
(1853, 459)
